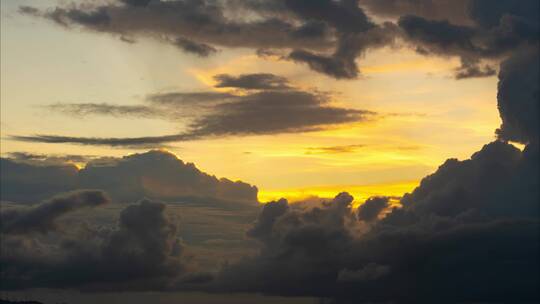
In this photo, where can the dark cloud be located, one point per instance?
(189, 46)
(155, 174)
(260, 81)
(519, 97)
(275, 112)
(142, 252)
(100, 141)
(455, 11)
(274, 108)
(196, 26)
(22, 182)
(41, 218)
(488, 14)
(372, 207)
(202, 22)
(326, 35)
(469, 232)
(495, 31)
(49, 159)
(342, 63)
(345, 15)
(188, 98)
(86, 109)
(472, 69)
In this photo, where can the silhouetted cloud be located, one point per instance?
(155, 174)
(372, 207)
(143, 252)
(86, 109)
(273, 108)
(260, 81)
(445, 228)
(518, 97)
(200, 49)
(41, 218)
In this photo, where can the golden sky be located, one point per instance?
(426, 116)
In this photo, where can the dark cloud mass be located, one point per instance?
(469, 233)
(140, 253)
(519, 97)
(155, 174)
(42, 217)
(372, 207)
(455, 239)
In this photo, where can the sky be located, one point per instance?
(270, 151)
(424, 115)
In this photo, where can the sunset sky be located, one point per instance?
(270, 151)
(424, 115)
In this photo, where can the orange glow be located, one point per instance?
(360, 192)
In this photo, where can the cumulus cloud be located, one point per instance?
(372, 207)
(142, 252)
(451, 240)
(519, 97)
(156, 174)
(41, 218)
(494, 32)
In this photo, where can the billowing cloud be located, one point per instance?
(142, 252)
(519, 97)
(495, 31)
(372, 207)
(41, 218)
(155, 174)
(464, 223)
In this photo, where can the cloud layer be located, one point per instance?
(155, 174)
(269, 106)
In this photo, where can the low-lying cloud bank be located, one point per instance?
(155, 174)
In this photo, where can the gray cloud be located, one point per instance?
(143, 252)
(200, 49)
(417, 253)
(259, 81)
(371, 208)
(275, 112)
(519, 97)
(155, 174)
(41, 218)
(274, 108)
(189, 98)
(86, 109)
